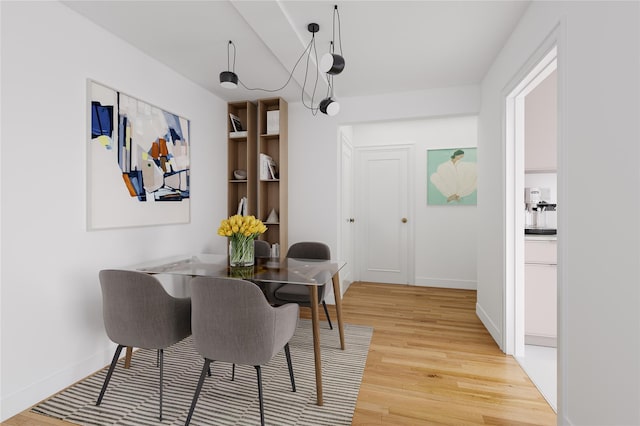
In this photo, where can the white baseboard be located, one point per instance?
(565, 421)
(537, 340)
(446, 283)
(32, 394)
(493, 330)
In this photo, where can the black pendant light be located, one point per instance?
(329, 105)
(332, 64)
(229, 79)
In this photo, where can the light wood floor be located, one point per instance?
(431, 362)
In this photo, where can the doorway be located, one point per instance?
(539, 362)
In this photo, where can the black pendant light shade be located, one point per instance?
(329, 107)
(228, 79)
(332, 63)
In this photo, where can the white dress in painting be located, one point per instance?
(455, 179)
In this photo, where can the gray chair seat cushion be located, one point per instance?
(295, 293)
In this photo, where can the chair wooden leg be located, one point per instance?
(161, 358)
(205, 368)
(326, 312)
(259, 371)
(109, 373)
(288, 355)
(127, 358)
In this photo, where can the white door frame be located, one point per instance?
(514, 191)
(360, 212)
(537, 68)
(349, 273)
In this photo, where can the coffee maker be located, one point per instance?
(540, 215)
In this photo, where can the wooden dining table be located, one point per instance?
(308, 272)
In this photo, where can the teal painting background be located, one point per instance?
(435, 157)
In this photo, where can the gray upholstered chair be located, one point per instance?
(294, 293)
(232, 322)
(261, 249)
(138, 312)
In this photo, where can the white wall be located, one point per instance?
(314, 151)
(599, 272)
(52, 330)
(445, 236)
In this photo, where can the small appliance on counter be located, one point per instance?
(540, 215)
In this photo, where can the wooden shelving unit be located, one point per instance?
(242, 155)
(272, 190)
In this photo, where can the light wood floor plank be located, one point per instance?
(431, 362)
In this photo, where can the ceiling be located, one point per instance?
(388, 46)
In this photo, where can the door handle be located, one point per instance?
(404, 220)
(350, 220)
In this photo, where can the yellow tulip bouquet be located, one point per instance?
(241, 231)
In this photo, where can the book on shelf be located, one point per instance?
(268, 168)
(272, 170)
(236, 124)
(242, 206)
(242, 134)
(273, 122)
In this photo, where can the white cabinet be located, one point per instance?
(541, 129)
(540, 287)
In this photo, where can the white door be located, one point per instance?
(346, 213)
(383, 224)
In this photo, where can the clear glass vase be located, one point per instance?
(241, 252)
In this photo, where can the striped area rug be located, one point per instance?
(132, 396)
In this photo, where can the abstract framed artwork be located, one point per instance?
(138, 162)
(452, 176)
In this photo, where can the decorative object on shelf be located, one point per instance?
(138, 162)
(275, 251)
(240, 174)
(241, 231)
(452, 176)
(273, 122)
(331, 64)
(273, 217)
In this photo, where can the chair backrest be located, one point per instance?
(261, 248)
(310, 250)
(138, 312)
(233, 322)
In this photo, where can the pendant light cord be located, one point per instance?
(336, 13)
(305, 51)
(234, 56)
